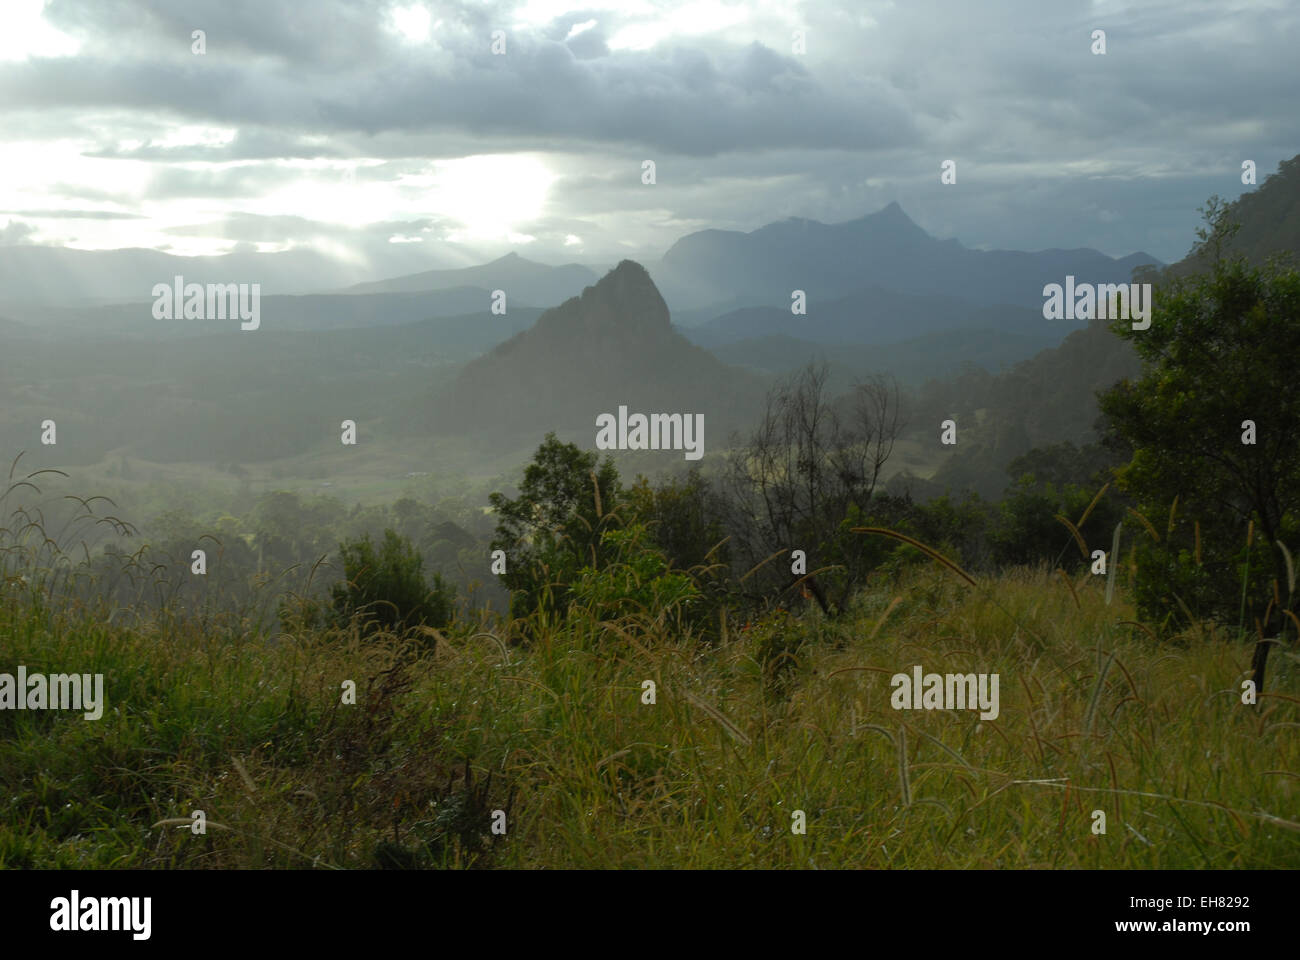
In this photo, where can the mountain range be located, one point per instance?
(864, 280)
(64, 276)
(885, 249)
(423, 353)
(523, 280)
(402, 300)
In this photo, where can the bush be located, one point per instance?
(387, 587)
(636, 580)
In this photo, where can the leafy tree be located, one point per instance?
(683, 516)
(387, 586)
(553, 528)
(1221, 350)
(1029, 532)
(1052, 482)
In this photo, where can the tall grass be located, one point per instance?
(212, 715)
(255, 735)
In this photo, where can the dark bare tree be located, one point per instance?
(812, 463)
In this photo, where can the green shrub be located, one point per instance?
(387, 589)
(635, 579)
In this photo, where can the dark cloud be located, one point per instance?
(1055, 146)
(704, 98)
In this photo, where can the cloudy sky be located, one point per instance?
(390, 134)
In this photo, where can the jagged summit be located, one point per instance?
(614, 344)
(892, 213)
(885, 249)
(626, 283)
(624, 299)
(627, 271)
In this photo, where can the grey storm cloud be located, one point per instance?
(1051, 142)
(347, 74)
(332, 67)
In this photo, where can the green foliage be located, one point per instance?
(1030, 532)
(776, 640)
(811, 462)
(682, 514)
(703, 779)
(387, 587)
(1061, 464)
(1221, 350)
(457, 833)
(555, 526)
(203, 713)
(958, 529)
(635, 579)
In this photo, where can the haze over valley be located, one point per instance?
(682, 434)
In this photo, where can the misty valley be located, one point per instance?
(359, 513)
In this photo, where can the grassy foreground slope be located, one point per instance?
(1095, 716)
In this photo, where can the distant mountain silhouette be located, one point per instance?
(65, 276)
(402, 300)
(522, 280)
(884, 249)
(877, 316)
(614, 345)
